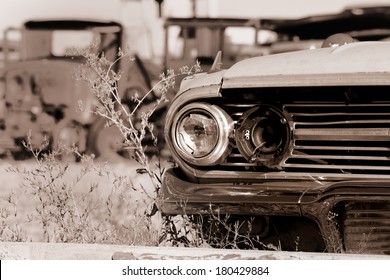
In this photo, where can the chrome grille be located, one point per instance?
(366, 228)
(340, 138)
(330, 134)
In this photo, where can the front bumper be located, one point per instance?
(262, 197)
(345, 210)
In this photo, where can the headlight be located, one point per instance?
(202, 134)
(263, 136)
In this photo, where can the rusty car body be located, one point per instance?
(199, 38)
(39, 91)
(363, 23)
(298, 139)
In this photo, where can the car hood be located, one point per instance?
(360, 63)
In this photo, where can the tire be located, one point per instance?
(107, 142)
(68, 133)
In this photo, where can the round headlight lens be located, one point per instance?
(197, 134)
(202, 134)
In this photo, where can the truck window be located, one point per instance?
(64, 41)
(175, 42)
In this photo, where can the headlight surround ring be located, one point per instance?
(202, 134)
(263, 136)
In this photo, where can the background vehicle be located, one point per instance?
(297, 140)
(360, 22)
(41, 95)
(191, 39)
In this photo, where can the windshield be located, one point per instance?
(44, 43)
(57, 43)
(65, 41)
(205, 41)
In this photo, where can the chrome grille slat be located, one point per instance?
(368, 212)
(366, 228)
(337, 105)
(235, 155)
(352, 134)
(338, 114)
(356, 230)
(337, 157)
(361, 222)
(351, 148)
(338, 167)
(344, 122)
(241, 164)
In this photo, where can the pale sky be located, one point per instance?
(15, 12)
(294, 8)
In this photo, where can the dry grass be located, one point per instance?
(94, 203)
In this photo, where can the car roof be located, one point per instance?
(68, 24)
(210, 22)
(368, 23)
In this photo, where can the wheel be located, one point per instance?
(107, 143)
(67, 134)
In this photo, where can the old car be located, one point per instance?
(363, 23)
(200, 38)
(298, 140)
(39, 92)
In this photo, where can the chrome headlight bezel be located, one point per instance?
(221, 145)
(263, 136)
